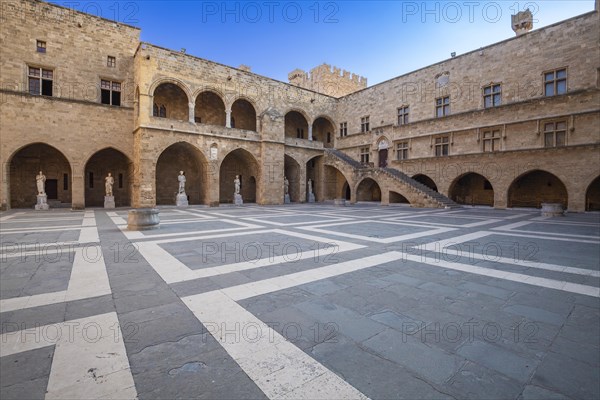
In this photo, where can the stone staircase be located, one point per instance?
(425, 195)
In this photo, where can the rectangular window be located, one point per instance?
(555, 82)
(120, 181)
(441, 146)
(491, 140)
(343, 129)
(555, 134)
(328, 137)
(492, 96)
(300, 133)
(40, 81)
(364, 155)
(110, 93)
(403, 115)
(65, 181)
(402, 151)
(111, 62)
(364, 124)
(91, 180)
(41, 46)
(442, 106)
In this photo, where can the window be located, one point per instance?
(555, 82)
(65, 181)
(442, 106)
(300, 133)
(198, 120)
(402, 151)
(491, 140)
(160, 111)
(364, 155)
(555, 134)
(120, 181)
(492, 96)
(41, 46)
(328, 137)
(441, 146)
(110, 93)
(40, 81)
(232, 121)
(91, 180)
(364, 124)
(403, 115)
(343, 129)
(111, 62)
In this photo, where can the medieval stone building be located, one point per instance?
(512, 124)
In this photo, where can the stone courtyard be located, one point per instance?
(300, 301)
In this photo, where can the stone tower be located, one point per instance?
(328, 80)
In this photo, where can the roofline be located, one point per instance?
(86, 14)
(536, 31)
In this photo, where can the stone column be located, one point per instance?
(213, 178)
(192, 112)
(227, 118)
(310, 132)
(77, 191)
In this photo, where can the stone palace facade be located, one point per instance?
(513, 124)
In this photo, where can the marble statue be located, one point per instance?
(181, 179)
(109, 181)
(236, 183)
(310, 186)
(41, 183)
(286, 185)
(310, 196)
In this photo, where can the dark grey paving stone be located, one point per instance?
(486, 289)
(145, 299)
(30, 390)
(88, 307)
(568, 376)
(260, 305)
(33, 317)
(432, 364)
(399, 322)
(404, 279)
(536, 314)
(586, 353)
(495, 357)
(476, 382)
(322, 287)
(532, 392)
(21, 368)
(196, 286)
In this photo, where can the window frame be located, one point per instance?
(554, 133)
(402, 150)
(365, 154)
(403, 113)
(493, 140)
(365, 124)
(111, 61)
(492, 95)
(554, 81)
(442, 143)
(41, 46)
(343, 129)
(40, 78)
(444, 107)
(111, 90)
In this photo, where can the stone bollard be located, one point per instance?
(552, 210)
(143, 219)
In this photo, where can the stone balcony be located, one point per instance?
(310, 144)
(200, 129)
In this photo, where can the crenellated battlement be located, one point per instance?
(327, 79)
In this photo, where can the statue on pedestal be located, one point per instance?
(237, 197)
(286, 185)
(41, 183)
(181, 200)
(181, 179)
(236, 183)
(311, 195)
(109, 181)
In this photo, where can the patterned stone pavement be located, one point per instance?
(300, 301)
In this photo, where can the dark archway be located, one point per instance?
(209, 109)
(368, 190)
(592, 196)
(292, 173)
(239, 162)
(170, 101)
(472, 189)
(427, 181)
(243, 115)
(96, 170)
(536, 187)
(296, 125)
(398, 198)
(25, 165)
(323, 131)
(336, 185)
(314, 171)
(184, 157)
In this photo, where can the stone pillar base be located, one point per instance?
(42, 203)
(340, 202)
(552, 210)
(286, 199)
(237, 199)
(181, 200)
(109, 201)
(143, 219)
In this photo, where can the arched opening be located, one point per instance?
(314, 171)
(292, 173)
(26, 164)
(368, 190)
(398, 198)
(97, 169)
(209, 109)
(296, 126)
(536, 187)
(178, 157)
(243, 115)
(472, 189)
(592, 196)
(242, 163)
(427, 181)
(323, 131)
(336, 185)
(170, 101)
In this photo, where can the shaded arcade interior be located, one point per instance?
(242, 163)
(175, 158)
(96, 170)
(472, 189)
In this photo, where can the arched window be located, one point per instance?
(159, 111)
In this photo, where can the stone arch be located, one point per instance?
(209, 108)
(323, 130)
(293, 173)
(347, 192)
(426, 180)
(243, 114)
(472, 188)
(23, 166)
(181, 156)
(336, 184)
(171, 99)
(592, 196)
(396, 197)
(296, 124)
(368, 190)
(97, 167)
(174, 81)
(239, 162)
(534, 187)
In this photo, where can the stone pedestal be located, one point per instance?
(181, 200)
(109, 201)
(286, 199)
(42, 203)
(552, 210)
(311, 198)
(340, 202)
(237, 199)
(142, 219)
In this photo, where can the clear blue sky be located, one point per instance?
(376, 39)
